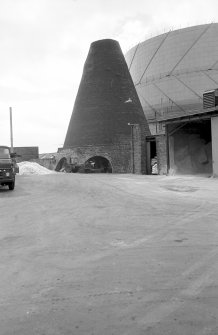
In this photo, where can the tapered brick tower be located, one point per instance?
(106, 102)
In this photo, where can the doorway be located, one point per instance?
(151, 156)
(97, 164)
(190, 148)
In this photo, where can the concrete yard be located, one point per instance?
(109, 255)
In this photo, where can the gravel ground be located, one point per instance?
(109, 254)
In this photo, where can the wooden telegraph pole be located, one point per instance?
(11, 129)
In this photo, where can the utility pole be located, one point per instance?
(11, 129)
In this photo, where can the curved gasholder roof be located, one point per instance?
(171, 71)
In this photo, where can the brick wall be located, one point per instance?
(139, 151)
(161, 145)
(119, 155)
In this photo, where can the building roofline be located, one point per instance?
(200, 114)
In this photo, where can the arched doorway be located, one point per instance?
(61, 164)
(97, 164)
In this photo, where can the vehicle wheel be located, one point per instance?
(11, 185)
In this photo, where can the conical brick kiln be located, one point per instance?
(106, 103)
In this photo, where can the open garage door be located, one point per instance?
(190, 149)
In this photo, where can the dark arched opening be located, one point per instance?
(97, 164)
(61, 164)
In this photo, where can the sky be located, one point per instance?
(43, 47)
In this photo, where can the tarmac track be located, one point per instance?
(109, 254)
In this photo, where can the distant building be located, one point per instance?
(26, 153)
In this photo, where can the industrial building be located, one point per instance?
(108, 129)
(173, 74)
(26, 153)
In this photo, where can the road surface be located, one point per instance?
(109, 255)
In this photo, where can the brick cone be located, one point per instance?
(106, 102)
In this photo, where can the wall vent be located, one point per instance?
(210, 99)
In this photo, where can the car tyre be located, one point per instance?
(11, 185)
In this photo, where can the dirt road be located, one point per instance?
(109, 254)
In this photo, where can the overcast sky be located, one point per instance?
(44, 44)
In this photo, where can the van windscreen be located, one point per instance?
(4, 153)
